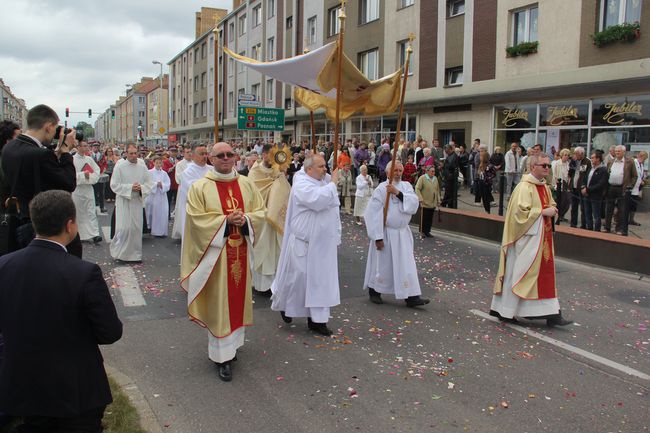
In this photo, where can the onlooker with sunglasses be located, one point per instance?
(30, 166)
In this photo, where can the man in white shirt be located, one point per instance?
(512, 168)
(622, 175)
(637, 190)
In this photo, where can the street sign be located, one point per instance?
(246, 97)
(260, 119)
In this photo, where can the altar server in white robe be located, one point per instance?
(178, 172)
(194, 171)
(84, 195)
(307, 281)
(156, 205)
(131, 183)
(391, 265)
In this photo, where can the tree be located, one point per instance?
(89, 131)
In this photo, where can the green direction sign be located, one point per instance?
(260, 119)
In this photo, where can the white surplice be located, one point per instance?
(307, 281)
(127, 242)
(392, 270)
(178, 172)
(84, 197)
(156, 204)
(191, 174)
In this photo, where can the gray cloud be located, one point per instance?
(81, 53)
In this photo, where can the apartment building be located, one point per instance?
(131, 111)
(157, 124)
(501, 71)
(12, 108)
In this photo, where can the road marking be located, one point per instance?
(106, 230)
(596, 358)
(127, 283)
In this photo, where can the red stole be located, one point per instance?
(236, 253)
(546, 276)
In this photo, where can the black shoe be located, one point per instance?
(375, 297)
(97, 239)
(501, 318)
(416, 301)
(285, 318)
(225, 371)
(320, 328)
(558, 321)
(265, 294)
(428, 235)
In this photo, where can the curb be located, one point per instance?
(148, 420)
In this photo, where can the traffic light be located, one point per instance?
(90, 112)
(67, 112)
(112, 114)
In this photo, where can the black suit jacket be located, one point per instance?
(54, 310)
(293, 169)
(451, 164)
(580, 169)
(599, 181)
(25, 163)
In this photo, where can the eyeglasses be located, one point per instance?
(544, 165)
(223, 155)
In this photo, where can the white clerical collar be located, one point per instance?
(53, 242)
(35, 139)
(222, 176)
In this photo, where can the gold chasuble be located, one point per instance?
(275, 190)
(215, 269)
(535, 276)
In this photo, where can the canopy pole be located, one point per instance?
(339, 92)
(409, 50)
(313, 132)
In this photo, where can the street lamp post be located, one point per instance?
(160, 93)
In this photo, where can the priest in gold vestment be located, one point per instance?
(275, 190)
(224, 214)
(525, 283)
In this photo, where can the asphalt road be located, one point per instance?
(442, 368)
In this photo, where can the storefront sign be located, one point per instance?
(616, 113)
(511, 116)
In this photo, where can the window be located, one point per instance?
(405, 3)
(255, 91)
(211, 45)
(141, 114)
(211, 75)
(231, 101)
(369, 64)
(204, 50)
(204, 109)
(196, 55)
(211, 105)
(256, 52)
(257, 15)
(141, 99)
(242, 25)
(204, 80)
(455, 7)
(289, 23)
(270, 49)
(368, 11)
(311, 30)
(196, 110)
(240, 66)
(613, 12)
(401, 55)
(231, 31)
(270, 8)
(454, 76)
(196, 83)
(231, 66)
(269, 90)
(334, 26)
(287, 104)
(524, 25)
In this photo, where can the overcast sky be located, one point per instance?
(81, 53)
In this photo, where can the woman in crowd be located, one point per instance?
(560, 171)
(484, 177)
(363, 193)
(410, 172)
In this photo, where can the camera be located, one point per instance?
(79, 136)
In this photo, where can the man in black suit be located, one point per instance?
(579, 166)
(450, 177)
(31, 167)
(52, 321)
(294, 167)
(594, 188)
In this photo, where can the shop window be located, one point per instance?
(524, 25)
(369, 63)
(455, 7)
(334, 26)
(454, 76)
(613, 12)
(311, 30)
(401, 55)
(368, 11)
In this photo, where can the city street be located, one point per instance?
(444, 367)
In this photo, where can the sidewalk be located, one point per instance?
(466, 203)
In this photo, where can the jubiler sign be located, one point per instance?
(260, 119)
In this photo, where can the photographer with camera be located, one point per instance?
(31, 164)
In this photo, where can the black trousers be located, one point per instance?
(615, 198)
(484, 193)
(449, 199)
(577, 204)
(427, 219)
(99, 195)
(87, 422)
